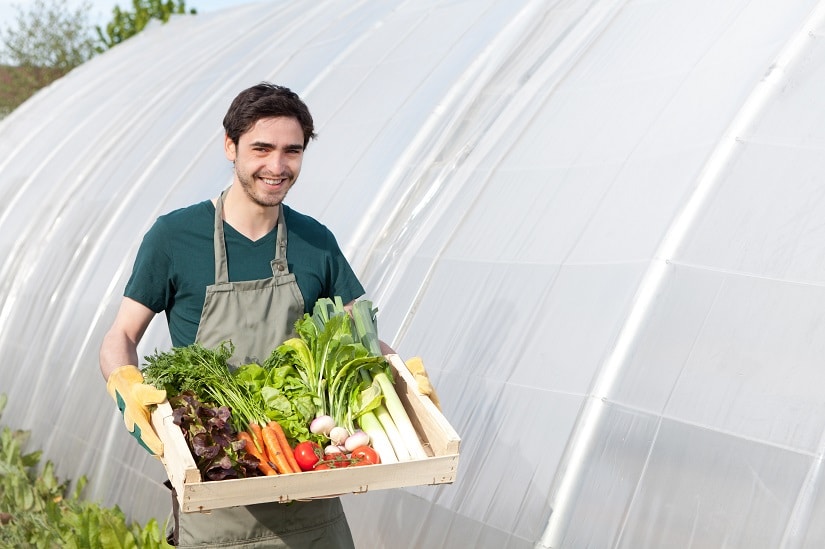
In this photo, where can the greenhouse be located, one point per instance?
(599, 223)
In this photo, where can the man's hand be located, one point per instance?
(133, 398)
(425, 387)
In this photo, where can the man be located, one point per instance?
(221, 269)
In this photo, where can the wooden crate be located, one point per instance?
(439, 439)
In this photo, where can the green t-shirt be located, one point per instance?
(176, 262)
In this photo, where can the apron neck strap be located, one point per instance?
(279, 264)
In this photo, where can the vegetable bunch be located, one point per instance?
(218, 452)
(206, 373)
(269, 444)
(338, 356)
(330, 360)
(281, 395)
(329, 385)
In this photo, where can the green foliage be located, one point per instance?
(125, 23)
(46, 42)
(48, 39)
(49, 34)
(329, 356)
(38, 510)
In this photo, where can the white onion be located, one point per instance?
(356, 439)
(322, 425)
(338, 435)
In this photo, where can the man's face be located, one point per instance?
(268, 159)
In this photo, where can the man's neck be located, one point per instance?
(248, 218)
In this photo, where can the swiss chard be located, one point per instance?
(329, 359)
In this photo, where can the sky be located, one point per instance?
(101, 10)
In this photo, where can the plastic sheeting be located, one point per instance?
(600, 223)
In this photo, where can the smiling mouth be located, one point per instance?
(273, 182)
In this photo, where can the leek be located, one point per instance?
(366, 329)
(378, 437)
(392, 433)
(366, 326)
(399, 416)
(371, 400)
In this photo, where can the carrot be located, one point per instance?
(257, 436)
(285, 447)
(263, 463)
(276, 455)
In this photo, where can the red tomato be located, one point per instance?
(337, 461)
(307, 454)
(365, 455)
(320, 466)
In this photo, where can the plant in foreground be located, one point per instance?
(39, 510)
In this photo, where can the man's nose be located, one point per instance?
(276, 161)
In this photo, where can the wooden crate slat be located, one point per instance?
(318, 484)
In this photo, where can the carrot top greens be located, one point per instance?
(205, 372)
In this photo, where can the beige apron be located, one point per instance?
(257, 316)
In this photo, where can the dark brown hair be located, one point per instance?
(266, 100)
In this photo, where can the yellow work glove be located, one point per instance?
(134, 397)
(416, 366)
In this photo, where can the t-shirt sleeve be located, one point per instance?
(149, 282)
(342, 279)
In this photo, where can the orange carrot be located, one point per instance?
(257, 436)
(276, 455)
(263, 463)
(285, 447)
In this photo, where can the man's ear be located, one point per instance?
(229, 148)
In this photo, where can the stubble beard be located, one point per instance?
(266, 201)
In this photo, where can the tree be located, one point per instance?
(126, 24)
(47, 42)
(50, 39)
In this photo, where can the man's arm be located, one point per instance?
(124, 382)
(119, 346)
